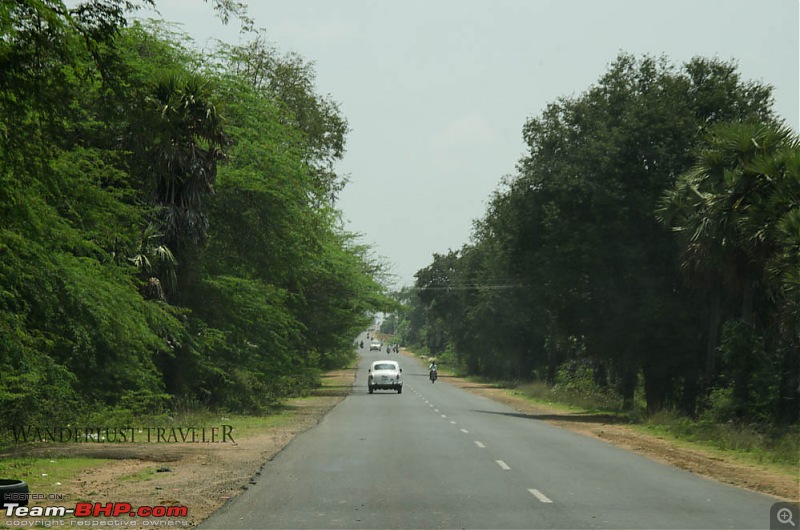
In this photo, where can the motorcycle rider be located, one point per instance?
(433, 370)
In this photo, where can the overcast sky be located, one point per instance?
(436, 92)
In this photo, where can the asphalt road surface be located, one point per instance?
(436, 456)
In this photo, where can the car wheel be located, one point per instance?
(9, 487)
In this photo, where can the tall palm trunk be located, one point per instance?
(713, 335)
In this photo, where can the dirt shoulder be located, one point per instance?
(204, 476)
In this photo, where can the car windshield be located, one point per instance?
(385, 366)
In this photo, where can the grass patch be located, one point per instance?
(243, 425)
(596, 401)
(779, 446)
(343, 379)
(46, 475)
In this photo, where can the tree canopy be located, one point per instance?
(168, 227)
(649, 235)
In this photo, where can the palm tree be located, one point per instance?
(156, 262)
(734, 217)
(178, 141)
(184, 139)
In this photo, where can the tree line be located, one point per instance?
(649, 240)
(169, 235)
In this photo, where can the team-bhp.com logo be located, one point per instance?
(96, 509)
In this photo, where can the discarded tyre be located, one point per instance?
(13, 492)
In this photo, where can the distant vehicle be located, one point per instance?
(375, 345)
(385, 375)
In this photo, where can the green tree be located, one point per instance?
(730, 213)
(110, 145)
(576, 229)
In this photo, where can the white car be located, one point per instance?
(375, 345)
(385, 375)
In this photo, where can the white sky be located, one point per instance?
(436, 92)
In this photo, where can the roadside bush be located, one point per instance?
(721, 406)
(37, 391)
(576, 384)
(763, 442)
(606, 401)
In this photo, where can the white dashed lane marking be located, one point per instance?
(541, 496)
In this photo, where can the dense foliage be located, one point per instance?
(168, 228)
(651, 238)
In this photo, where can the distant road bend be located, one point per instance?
(436, 456)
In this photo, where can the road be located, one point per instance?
(436, 456)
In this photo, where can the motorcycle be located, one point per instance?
(434, 374)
